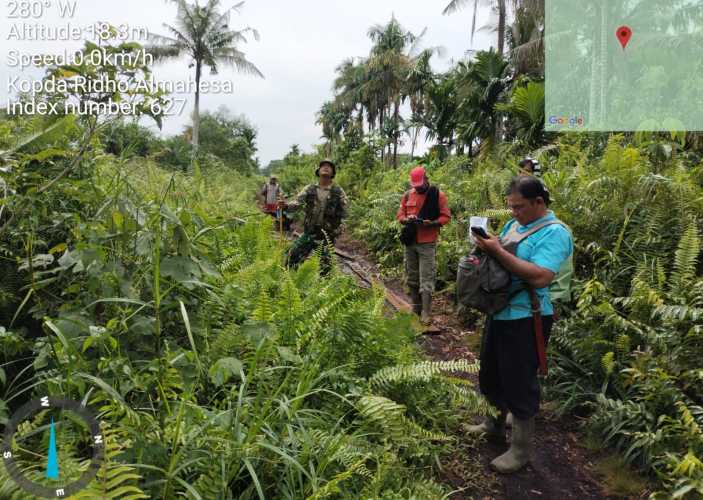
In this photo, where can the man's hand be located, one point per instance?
(430, 223)
(489, 245)
(410, 219)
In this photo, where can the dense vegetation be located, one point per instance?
(148, 293)
(137, 276)
(628, 354)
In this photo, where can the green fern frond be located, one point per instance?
(608, 363)
(346, 451)
(320, 319)
(685, 260)
(677, 313)
(211, 483)
(420, 372)
(353, 458)
(290, 302)
(306, 275)
(696, 297)
(474, 402)
(622, 344)
(390, 416)
(263, 311)
(426, 488)
(114, 479)
(688, 420)
(332, 487)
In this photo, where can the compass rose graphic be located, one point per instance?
(15, 443)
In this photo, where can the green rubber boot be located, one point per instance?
(416, 300)
(492, 427)
(426, 315)
(520, 451)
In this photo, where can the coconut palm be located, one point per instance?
(525, 39)
(203, 33)
(498, 5)
(388, 66)
(349, 88)
(417, 85)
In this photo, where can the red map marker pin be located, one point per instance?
(624, 33)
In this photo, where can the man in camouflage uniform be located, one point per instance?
(325, 207)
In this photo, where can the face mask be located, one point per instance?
(421, 189)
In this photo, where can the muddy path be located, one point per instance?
(560, 469)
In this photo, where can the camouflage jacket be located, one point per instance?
(335, 211)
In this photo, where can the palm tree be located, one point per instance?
(349, 88)
(417, 85)
(498, 5)
(525, 39)
(526, 108)
(481, 86)
(388, 66)
(397, 69)
(203, 33)
(334, 119)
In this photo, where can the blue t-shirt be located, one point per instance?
(548, 248)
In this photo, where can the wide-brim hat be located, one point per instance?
(328, 162)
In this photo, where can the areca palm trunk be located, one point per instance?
(380, 127)
(501, 25)
(397, 135)
(416, 132)
(196, 110)
(603, 60)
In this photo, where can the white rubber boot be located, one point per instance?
(492, 427)
(520, 451)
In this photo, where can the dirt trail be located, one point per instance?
(560, 469)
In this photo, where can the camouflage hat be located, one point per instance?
(328, 162)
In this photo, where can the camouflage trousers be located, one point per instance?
(421, 266)
(304, 246)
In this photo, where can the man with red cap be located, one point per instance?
(426, 208)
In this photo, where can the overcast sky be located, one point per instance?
(301, 44)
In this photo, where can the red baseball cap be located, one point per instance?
(417, 176)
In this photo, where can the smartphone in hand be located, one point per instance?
(480, 232)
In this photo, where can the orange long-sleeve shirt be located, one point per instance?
(412, 204)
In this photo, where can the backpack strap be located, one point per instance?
(539, 333)
(406, 195)
(431, 203)
(533, 230)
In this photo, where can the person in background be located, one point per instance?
(530, 166)
(269, 195)
(426, 206)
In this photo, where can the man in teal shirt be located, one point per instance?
(509, 360)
